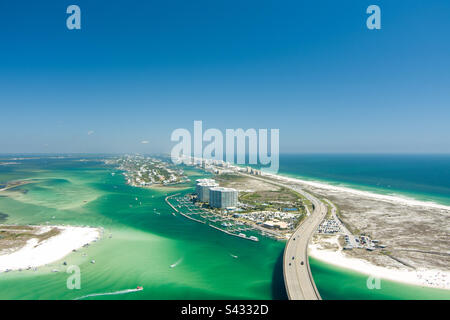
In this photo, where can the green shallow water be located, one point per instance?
(144, 245)
(338, 283)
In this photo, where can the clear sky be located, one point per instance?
(137, 70)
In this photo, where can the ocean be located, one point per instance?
(144, 245)
(422, 177)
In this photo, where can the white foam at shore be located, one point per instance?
(396, 199)
(109, 293)
(35, 254)
(420, 277)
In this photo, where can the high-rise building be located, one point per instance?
(220, 197)
(202, 188)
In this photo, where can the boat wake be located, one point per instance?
(109, 293)
(235, 257)
(176, 263)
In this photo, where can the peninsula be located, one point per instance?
(385, 236)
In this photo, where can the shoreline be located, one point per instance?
(430, 278)
(375, 189)
(35, 254)
(399, 199)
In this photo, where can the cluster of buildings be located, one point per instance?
(208, 191)
(275, 225)
(142, 171)
(333, 226)
(330, 226)
(251, 170)
(361, 242)
(219, 166)
(271, 219)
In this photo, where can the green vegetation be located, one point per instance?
(353, 230)
(146, 171)
(273, 200)
(267, 196)
(302, 216)
(17, 236)
(224, 178)
(19, 228)
(329, 209)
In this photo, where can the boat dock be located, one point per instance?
(210, 218)
(167, 201)
(187, 216)
(243, 236)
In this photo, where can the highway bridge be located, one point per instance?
(298, 279)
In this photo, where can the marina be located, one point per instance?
(224, 224)
(201, 248)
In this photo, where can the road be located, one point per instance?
(298, 279)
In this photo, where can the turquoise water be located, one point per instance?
(422, 177)
(342, 284)
(144, 244)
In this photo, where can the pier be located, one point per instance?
(168, 202)
(208, 218)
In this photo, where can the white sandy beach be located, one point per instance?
(423, 277)
(48, 251)
(391, 198)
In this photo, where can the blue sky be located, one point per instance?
(137, 70)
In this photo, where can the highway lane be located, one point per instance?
(298, 279)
